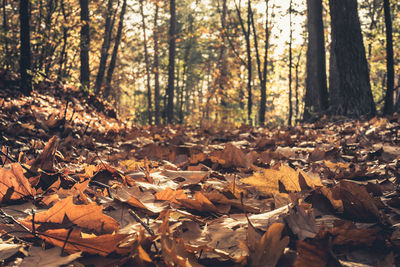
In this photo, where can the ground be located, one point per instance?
(81, 187)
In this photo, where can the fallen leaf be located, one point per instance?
(301, 222)
(7, 250)
(86, 216)
(74, 242)
(270, 247)
(48, 257)
(13, 184)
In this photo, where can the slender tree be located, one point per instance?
(5, 34)
(85, 44)
(25, 47)
(147, 63)
(262, 70)
(156, 67)
(290, 64)
(350, 89)
(171, 61)
(114, 54)
(105, 46)
(316, 98)
(388, 107)
(246, 33)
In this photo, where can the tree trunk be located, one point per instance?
(262, 71)
(85, 44)
(388, 108)
(5, 34)
(290, 65)
(147, 63)
(350, 89)
(156, 68)
(105, 47)
(171, 62)
(25, 48)
(113, 60)
(316, 98)
(223, 72)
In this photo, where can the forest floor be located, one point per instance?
(80, 188)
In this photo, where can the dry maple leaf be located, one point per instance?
(13, 184)
(267, 250)
(86, 216)
(75, 242)
(285, 179)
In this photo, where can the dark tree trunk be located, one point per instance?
(105, 47)
(113, 60)
(246, 33)
(262, 71)
(350, 89)
(63, 54)
(5, 33)
(85, 44)
(316, 98)
(156, 69)
(171, 62)
(147, 63)
(223, 72)
(388, 109)
(290, 65)
(25, 49)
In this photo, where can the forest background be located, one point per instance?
(194, 61)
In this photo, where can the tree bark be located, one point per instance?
(388, 108)
(147, 63)
(156, 68)
(316, 98)
(25, 48)
(85, 45)
(246, 33)
(105, 47)
(290, 65)
(113, 60)
(5, 33)
(171, 62)
(350, 89)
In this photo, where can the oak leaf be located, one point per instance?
(86, 216)
(13, 184)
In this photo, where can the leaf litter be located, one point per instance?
(81, 187)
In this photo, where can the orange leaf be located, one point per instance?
(171, 195)
(85, 216)
(13, 184)
(101, 245)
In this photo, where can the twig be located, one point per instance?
(33, 223)
(134, 215)
(66, 240)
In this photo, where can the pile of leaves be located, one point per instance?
(78, 187)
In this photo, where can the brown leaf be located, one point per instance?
(301, 222)
(13, 184)
(270, 247)
(46, 158)
(200, 203)
(357, 202)
(171, 195)
(85, 216)
(101, 245)
(175, 253)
